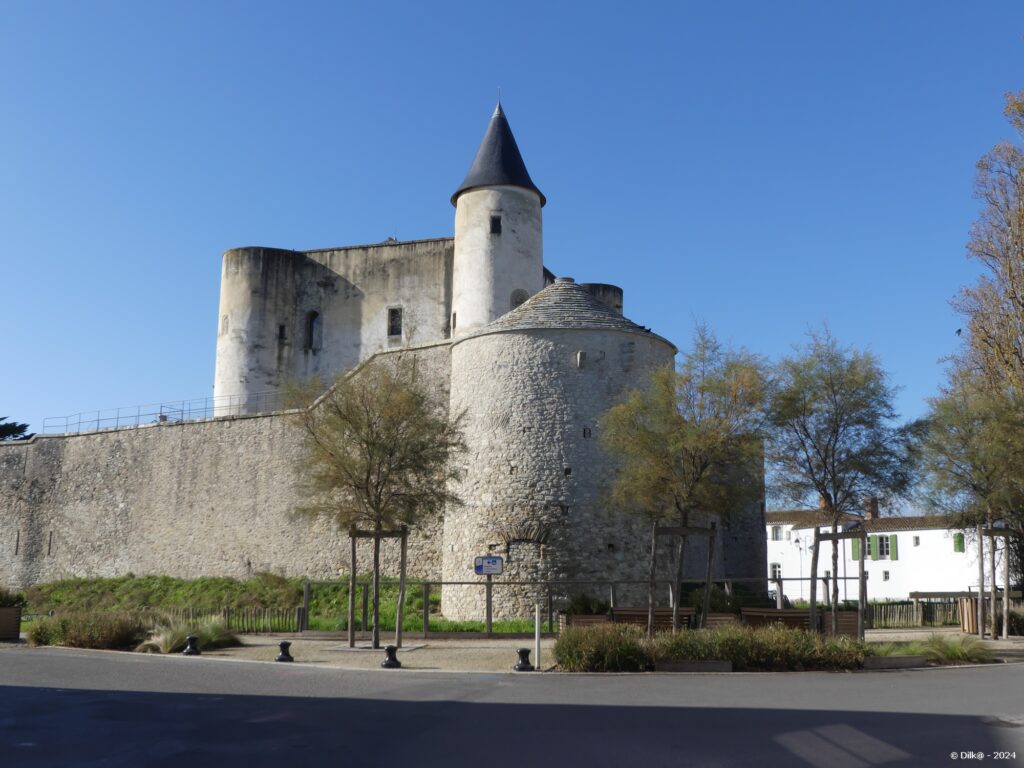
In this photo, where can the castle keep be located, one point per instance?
(534, 360)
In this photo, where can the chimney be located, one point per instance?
(871, 509)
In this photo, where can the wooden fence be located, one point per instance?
(247, 620)
(904, 615)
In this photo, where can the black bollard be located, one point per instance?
(390, 659)
(191, 646)
(284, 655)
(524, 664)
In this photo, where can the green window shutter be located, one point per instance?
(958, 542)
(855, 549)
(894, 552)
(873, 546)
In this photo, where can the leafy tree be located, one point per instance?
(994, 307)
(973, 457)
(13, 430)
(833, 437)
(678, 443)
(379, 452)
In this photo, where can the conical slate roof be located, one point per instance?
(563, 304)
(498, 161)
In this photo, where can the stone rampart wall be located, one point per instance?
(206, 498)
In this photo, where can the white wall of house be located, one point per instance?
(923, 560)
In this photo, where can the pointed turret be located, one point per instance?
(498, 161)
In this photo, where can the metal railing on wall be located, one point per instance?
(172, 412)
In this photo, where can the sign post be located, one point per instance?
(489, 567)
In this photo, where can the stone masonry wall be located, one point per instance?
(189, 499)
(535, 474)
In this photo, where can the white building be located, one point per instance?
(905, 554)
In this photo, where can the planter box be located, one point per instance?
(10, 623)
(894, 662)
(693, 666)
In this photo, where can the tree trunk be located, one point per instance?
(835, 581)
(376, 587)
(992, 592)
(400, 611)
(653, 575)
(677, 588)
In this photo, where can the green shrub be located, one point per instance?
(960, 649)
(103, 630)
(9, 599)
(624, 648)
(603, 648)
(587, 605)
(170, 635)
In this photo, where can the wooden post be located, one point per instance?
(981, 584)
(611, 595)
(426, 610)
(652, 576)
(352, 594)
(707, 576)
(862, 584)
(814, 580)
(918, 612)
(400, 608)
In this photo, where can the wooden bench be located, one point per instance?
(847, 622)
(662, 617)
(790, 617)
(716, 620)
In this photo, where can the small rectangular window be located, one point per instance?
(282, 333)
(453, 321)
(495, 224)
(885, 575)
(775, 569)
(395, 321)
(776, 533)
(883, 547)
(917, 541)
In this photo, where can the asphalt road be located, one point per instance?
(71, 708)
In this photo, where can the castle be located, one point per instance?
(534, 360)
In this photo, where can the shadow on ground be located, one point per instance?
(59, 727)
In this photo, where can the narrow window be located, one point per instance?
(282, 333)
(917, 541)
(568, 471)
(586, 432)
(453, 321)
(313, 332)
(775, 569)
(776, 533)
(958, 542)
(395, 321)
(495, 224)
(885, 575)
(883, 547)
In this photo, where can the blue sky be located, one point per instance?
(763, 167)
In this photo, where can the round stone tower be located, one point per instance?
(498, 261)
(255, 334)
(533, 386)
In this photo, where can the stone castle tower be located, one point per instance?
(531, 360)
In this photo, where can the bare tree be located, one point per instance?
(833, 437)
(379, 452)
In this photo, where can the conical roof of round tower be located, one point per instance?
(498, 161)
(563, 304)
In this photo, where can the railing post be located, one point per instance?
(426, 610)
(779, 599)
(611, 595)
(551, 614)
(366, 600)
(487, 606)
(305, 607)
